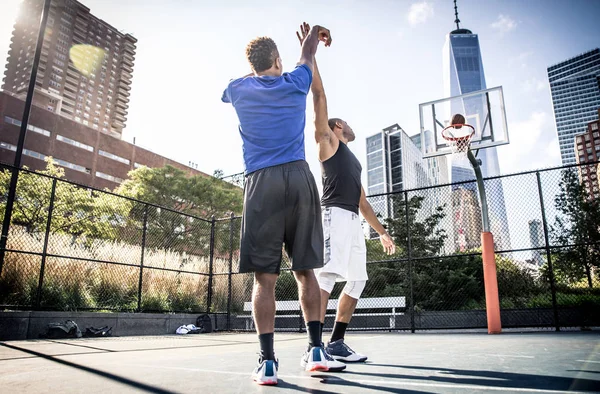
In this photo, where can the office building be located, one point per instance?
(575, 89)
(587, 150)
(536, 237)
(98, 96)
(463, 73)
(88, 156)
(466, 220)
(395, 163)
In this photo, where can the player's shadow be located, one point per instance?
(337, 380)
(489, 378)
(107, 375)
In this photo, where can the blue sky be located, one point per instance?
(386, 58)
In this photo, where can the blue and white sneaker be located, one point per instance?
(317, 359)
(265, 372)
(342, 352)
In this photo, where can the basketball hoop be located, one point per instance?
(459, 138)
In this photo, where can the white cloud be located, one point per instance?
(533, 145)
(534, 85)
(419, 13)
(504, 24)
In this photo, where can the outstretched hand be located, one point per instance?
(324, 35)
(303, 33)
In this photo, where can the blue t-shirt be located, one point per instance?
(272, 115)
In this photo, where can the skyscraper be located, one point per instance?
(98, 99)
(575, 89)
(587, 147)
(536, 237)
(463, 73)
(395, 163)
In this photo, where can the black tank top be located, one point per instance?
(341, 180)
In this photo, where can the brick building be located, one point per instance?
(587, 150)
(96, 96)
(89, 156)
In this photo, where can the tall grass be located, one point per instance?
(77, 283)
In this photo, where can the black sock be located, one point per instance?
(266, 346)
(314, 329)
(322, 325)
(339, 329)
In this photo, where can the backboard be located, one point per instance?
(484, 110)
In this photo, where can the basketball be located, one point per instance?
(458, 119)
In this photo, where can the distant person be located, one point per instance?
(343, 197)
(281, 201)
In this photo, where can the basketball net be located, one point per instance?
(459, 138)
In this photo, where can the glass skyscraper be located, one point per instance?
(575, 88)
(463, 73)
(395, 163)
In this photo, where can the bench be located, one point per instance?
(396, 304)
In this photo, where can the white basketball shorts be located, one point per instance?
(345, 248)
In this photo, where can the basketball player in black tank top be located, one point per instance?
(343, 199)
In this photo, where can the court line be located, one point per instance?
(588, 361)
(364, 381)
(507, 355)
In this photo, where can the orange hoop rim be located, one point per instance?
(464, 137)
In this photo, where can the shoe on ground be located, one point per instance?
(265, 372)
(342, 352)
(317, 359)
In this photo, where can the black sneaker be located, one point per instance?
(342, 352)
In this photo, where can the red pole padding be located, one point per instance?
(490, 280)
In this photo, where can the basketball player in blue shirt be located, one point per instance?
(281, 201)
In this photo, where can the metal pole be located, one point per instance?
(229, 272)
(210, 265)
(490, 278)
(12, 188)
(548, 255)
(485, 221)
(410, 264)
(45, 249)
(144, 231)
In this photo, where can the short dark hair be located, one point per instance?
(332, 122)
(261, 53)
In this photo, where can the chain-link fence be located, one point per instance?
(71, 247)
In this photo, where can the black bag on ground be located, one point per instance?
(68, 329)
(92, 332)
(204, 323)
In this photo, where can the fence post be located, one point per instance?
(144, 228)
(548, 255)
(410, 263)
(14, 178)
(230, 271)
(210, 265)
(38, 299)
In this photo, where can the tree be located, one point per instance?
(577, 225)
(426, 237)
(78, 210)
(196, 195)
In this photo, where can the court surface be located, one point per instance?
(449, 362)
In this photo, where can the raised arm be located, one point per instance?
(324, 136)
(367, 211)
(311, 42)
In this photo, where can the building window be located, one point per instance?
(72, 166)
(8, 146)
(30, 127)
(113, 157)
(108, 177)
(74, 143)
(594, 126)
